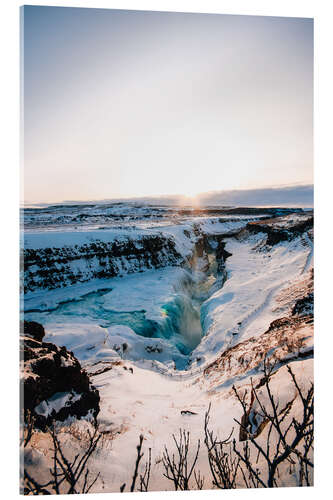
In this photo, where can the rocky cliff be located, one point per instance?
(282, 228)
(53, 384)
(56, 267)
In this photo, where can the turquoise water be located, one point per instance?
(180, 323)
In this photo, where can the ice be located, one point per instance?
(185, 307)
(154, 304)
(148, 338)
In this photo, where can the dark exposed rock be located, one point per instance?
(278, 323)
(208, 244)
(281, 228)
(252, 422)
(270, 211)
(33, 329)
(151, 348)
(50, 268)
(285, 340)
(303, 306)
(49, 372)
(221, 252)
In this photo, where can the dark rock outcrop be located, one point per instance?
(282, 228)
(33, 329)
(304, 306)
(54, 385)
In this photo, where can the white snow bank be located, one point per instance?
(245, 305)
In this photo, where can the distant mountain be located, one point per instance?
(296, 196)
(288, 196)
(292, 196)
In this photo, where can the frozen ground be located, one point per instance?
(161, 343)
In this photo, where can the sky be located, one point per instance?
(122, 104)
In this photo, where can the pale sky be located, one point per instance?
(125, 103)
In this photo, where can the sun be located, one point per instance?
(191, 198)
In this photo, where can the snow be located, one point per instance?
(71, 320)
(245, 306)
(150, 403)
(242, 308)
(218, 225)
(182, 234)
(56, 402)
(46, 300)
(61, 239)
(146, 384)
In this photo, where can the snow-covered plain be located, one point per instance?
(151, 337)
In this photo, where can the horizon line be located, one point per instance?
(175, 197)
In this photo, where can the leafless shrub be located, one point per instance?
(223, 464)
(73, 476)
(199, 481)
(143, 478)
(289, 441)
(177, 467)
(289, 435)
(67, 477)
(27, 429)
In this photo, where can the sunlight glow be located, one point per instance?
(154, 103)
